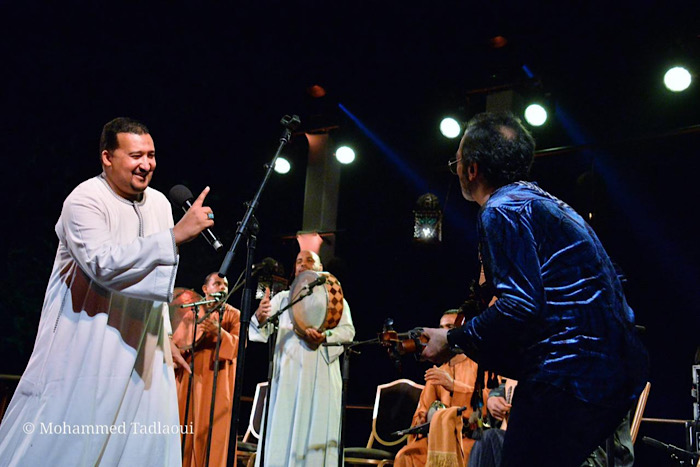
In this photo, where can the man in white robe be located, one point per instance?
(306, 389)
(99, 387)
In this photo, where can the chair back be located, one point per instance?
(394, 406)
(639, 411)
(256, 413)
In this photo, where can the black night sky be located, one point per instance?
(212, 82)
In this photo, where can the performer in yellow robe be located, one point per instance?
(453, 385)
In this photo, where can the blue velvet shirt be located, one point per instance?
(561, 316)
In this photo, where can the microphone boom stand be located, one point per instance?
(246, 228)
(271, 342)
(222, 309)
(347, 351)
(191, 378)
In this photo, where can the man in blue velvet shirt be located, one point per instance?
(561, 325)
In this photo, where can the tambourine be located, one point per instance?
(321, 309)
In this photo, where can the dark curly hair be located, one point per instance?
(501, 146)
(108, 138)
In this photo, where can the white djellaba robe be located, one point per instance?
(306, 394)
(99, 387)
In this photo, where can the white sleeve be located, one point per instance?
(143, 268)
(256, 333)
(167, 325)
(343, 332)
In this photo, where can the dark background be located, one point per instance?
(212, 82)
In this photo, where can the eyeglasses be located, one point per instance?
(452, 165)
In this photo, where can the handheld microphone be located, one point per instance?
(321, 280)
(181, 196)
(217, 294)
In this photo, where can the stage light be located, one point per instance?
(282, 165)
(677, 79)
(535, 114)
(316, 91)
(427, 224)
(498, 42)
(450, 128)
(345, 155)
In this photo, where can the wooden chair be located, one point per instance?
(634, 425)
(394, 406)
(248, 445)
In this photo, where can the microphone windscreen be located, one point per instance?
(179, 194)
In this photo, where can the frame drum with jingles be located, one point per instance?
(321, 309)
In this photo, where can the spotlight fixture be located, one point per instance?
(677, 79)
(536, 114)
(450, 128)
(427, 224)
(345, 155)
(282, 165)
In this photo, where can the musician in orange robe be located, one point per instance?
(198, 413)
(453, 385)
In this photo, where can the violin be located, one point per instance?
(413, 342)
(399, 344)
(403, 343)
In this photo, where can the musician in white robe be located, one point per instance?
(99, 387)
(306, 389)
